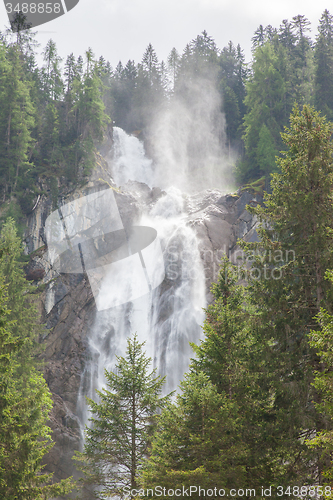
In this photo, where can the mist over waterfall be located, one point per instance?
(129, 160)
(189, 142)
(169, 316)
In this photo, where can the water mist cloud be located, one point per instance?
(189, 140)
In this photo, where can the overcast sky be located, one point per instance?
(122, 29)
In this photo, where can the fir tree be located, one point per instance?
(323, 58)
(233, 75)
(122, 425)
(25, 403)
(266, 103)
(20, 302)
(197, 442)
(291, 258)
(173, 65)
(17, 121)
(322, 341)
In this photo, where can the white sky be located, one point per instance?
(122, 29)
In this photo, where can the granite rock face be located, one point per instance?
(67, 303)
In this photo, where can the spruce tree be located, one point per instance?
(17, 121)
(121, 426)
(173, 65)
(237, 358)
(287, 281)
(20, 300)
(266, 104)
(232, 74)
(25, 400)
(197, 443)
(323, 57)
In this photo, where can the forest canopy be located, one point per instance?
(53, 114)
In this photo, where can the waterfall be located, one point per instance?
(129, 160)
(169, 316)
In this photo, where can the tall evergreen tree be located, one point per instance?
(266, 103)
(53, 84)
(25, 401)
(300, 26)
(122, 425)
(173, 65)
(292, 257)
(233, 74)
(196, 443)
(238, 358)
(123, 92)
(22, 309)
(17, 120)
(323, 58)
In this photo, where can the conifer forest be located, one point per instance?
(252, 416)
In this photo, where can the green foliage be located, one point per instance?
(122, 425)
(290, 260)
(233, 74)
(17, 121)
(324, 65)
(265, 100)
(322, 341)
(49, 127)
(90, 108)
(266, 151)
(227, 339)
(255, 363)
(283, 72)
(240, 360)
(196, 441)
(25, 401)
(19, 301)
(300, 207)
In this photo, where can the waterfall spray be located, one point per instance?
(169, 316)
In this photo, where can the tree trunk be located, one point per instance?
(133, 452)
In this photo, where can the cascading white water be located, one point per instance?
(129, 160)
(167, 318)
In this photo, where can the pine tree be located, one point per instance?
(291, 258)
(53, 84)
(196, 443)
(258, 38)
(25, 403)
(232, 76)
(17, 121)
(324, 65)
(300, 26)
(238, 359)
(92, 118)
(203, 50)
(123, 93)
(266, 104)
(286, 36)
(122, 425)
(150, 63)
(173, 65)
